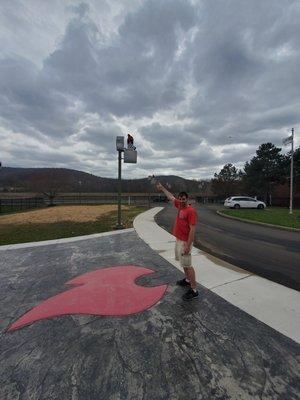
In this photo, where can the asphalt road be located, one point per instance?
(269, 252)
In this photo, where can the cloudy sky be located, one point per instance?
(199, 83)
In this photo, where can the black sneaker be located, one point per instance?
(183, 282)
(190, 295)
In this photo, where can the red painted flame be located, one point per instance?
(107, 291)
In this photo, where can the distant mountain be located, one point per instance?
(65, 180)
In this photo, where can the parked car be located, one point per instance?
(244, 202)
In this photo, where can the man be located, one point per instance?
(184, 231)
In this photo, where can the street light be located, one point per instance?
(286, 141)
(201, 186)
(79, 182)
(130, 156)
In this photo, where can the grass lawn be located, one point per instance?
(272, 215)
(11, 233)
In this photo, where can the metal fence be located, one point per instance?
(17, 204)
(209, 200)
(90, 199)
(138, 199)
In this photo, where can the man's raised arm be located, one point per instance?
(169, 195)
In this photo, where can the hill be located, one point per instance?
(65, 180)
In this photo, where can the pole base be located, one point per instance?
(119, 226)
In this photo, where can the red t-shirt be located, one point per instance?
(185, 217)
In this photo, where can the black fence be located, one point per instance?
(209, 200)
(90, 199)
(18, 204)
(140, 199)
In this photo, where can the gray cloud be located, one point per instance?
(28, 153)
(29, 105)
(103, 136)
(135, 73)
(174, 137)
(202, 83)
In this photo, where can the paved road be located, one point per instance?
(268, 252)
(207, 349)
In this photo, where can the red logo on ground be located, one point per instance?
(107, 291)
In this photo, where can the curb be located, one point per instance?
(62, 240)
(258, 223)
(269, 302)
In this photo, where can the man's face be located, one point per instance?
(183, 201)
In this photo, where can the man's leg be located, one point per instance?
(177, 250)
(191, 276)
(193, 292)
(179, 247)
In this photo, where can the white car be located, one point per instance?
(244, 202)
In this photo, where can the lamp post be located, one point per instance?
(286, 141)
(120, 149)
(130, 156)
(292, 173)
(79, 183)
(201, 187)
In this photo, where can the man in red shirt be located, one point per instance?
(184, 231)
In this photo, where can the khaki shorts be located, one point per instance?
(184, 259)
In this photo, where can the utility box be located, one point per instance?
(130, 156)
(120, 143)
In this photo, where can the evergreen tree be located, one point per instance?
(296, 169)
(226, 183)
(265, 170)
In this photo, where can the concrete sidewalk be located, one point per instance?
(269, 302)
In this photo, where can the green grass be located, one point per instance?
(22, 233)
(272, 215)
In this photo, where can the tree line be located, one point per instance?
(260, 176)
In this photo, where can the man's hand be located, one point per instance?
(159, 187)
(188, 244)
(186, 248)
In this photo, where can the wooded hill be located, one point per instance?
(41, 180)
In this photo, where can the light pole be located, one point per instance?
(79, 183)
(292, 173)
(130, 156)
(201, 186)
(153, 181)
(120, 148)
(286, 141)
(119, 223)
